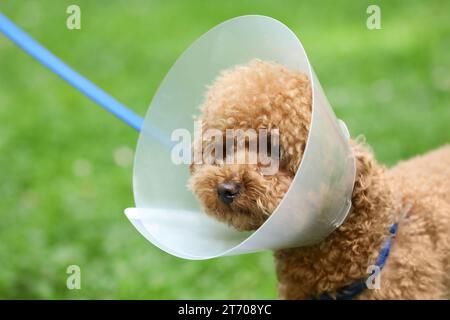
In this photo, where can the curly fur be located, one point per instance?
(256, 96)
(415, 194)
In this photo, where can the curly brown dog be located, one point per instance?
(415, 194)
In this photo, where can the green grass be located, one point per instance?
(62, 194)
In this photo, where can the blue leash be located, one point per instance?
(34, 49)
(356, 288)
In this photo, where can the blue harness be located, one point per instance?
(352, 290)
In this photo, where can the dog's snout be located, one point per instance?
(227, 191)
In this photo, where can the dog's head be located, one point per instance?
(241, 184)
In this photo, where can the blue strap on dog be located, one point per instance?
(356, 288)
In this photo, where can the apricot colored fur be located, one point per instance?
(415, 194)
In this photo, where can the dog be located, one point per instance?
(413, 196)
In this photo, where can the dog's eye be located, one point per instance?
(273, 146)
(224, 148)
(269, 145)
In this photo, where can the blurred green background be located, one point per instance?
(66, 165)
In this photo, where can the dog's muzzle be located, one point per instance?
(227, 191)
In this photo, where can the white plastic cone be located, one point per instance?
(168, 214)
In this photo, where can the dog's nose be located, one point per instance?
(227, 191)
